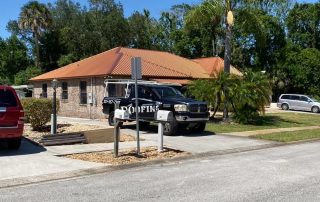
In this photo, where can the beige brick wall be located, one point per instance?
(72, 106)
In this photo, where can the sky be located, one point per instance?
(9, 9)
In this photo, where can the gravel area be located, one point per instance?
(126, 157)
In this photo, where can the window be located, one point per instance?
(44, 91)
(64, 95)
(303, 98)
(295, 97)
(144, 93)
(83, 92)
(287, 97)
(116, 90)
(7, 98)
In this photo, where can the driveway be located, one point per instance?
(31, 161)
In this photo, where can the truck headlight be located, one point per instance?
(180, 108)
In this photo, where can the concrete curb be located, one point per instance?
(110, 168)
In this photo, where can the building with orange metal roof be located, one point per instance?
(81, 88)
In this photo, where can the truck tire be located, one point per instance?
(198, 128)
(170, 128)
(111, 119)
(14, 144)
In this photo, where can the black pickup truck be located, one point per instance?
(188, 113)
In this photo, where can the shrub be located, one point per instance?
(38, 111)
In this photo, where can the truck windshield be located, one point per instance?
(168, 92)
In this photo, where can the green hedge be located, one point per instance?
(38, 111)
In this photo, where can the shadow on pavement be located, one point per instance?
(181, 132)
(26, 148)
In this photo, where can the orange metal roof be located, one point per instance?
(214, 65)
(117, 61)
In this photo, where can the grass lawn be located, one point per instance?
(269, 121)
(290, 136)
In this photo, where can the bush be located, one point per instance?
(38, 111)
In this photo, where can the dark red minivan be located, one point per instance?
(11, 117)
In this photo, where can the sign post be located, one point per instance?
(136, 74)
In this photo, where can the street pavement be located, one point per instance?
(286, 173)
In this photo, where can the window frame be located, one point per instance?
(83, 95)
(44, 90)
(64, 91)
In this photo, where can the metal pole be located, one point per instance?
(116, 138)
(137, 110)
(160, 137)
(54, 111)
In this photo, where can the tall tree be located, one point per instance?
(36, 17)
(304, 25)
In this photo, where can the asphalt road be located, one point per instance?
(286, 173)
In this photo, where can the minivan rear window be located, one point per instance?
(7, 98)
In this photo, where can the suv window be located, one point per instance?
(287, 97)
(7, 98)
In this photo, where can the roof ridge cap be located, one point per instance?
(160, 65)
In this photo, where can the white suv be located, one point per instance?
(298, 102)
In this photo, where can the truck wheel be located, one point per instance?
(170, 128)
(14, 144)
(111, 119)
(198, 128)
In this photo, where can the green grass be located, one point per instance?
(290, 136)
(269, 121)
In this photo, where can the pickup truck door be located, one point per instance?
(147, 102)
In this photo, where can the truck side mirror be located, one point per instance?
(164, 116)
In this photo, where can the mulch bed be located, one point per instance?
(126, 157)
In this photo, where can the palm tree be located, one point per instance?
(35, 17)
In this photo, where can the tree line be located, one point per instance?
(279, 37)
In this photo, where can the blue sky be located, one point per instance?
(9, 9)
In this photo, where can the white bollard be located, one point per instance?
(160, 137)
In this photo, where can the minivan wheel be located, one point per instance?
(14, 144)
(285, 106)
(315, 109)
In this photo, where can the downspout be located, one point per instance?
(91, 104)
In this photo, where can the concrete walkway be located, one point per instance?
(268, 131)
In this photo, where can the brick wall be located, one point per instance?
(72, 107)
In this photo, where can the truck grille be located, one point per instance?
(198, 108)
